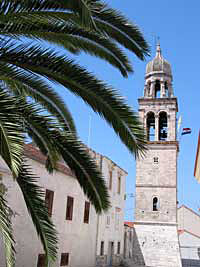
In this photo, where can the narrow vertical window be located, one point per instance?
(118, 247)
(64, 259)
(163, 129)
(150, 126)
(157, 89)
(166, 90)
(155, 204)
(119, 184)
(41, 260)
(87, 212)
(102, 248)
(110, 180)
(69, 210)
(49, 201)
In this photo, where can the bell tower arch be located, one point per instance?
(156, 173)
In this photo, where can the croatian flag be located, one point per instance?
(186, 131)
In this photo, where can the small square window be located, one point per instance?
(64, 259)
(155, 159)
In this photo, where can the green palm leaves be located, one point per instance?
(29, 73)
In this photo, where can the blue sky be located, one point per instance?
(177, 25)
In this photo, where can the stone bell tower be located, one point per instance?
(157, 243)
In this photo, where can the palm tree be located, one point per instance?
(29, 72)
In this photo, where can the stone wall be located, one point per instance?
(156, 245)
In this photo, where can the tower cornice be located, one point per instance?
(158, 101)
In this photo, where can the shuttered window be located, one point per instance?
(69, 210)
(41, 260)
(64, 259)
(110, 180)
(118, 247)
(87, 212)
(119, 184)
(49, 201)
(102, 248)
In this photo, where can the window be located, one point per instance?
(64, 259)
(108, 220)
(118, 248)
(155, 159)
(166, 90)
(49, 201)
(70, 205)
(157, 89)
(102, 248)
(110, 180)
(87, 212)
(41, 260)
(119, 184)
(163, 126)
(150, 126)
(155, 204)
(130, 236)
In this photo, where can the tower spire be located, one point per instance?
(158, 49)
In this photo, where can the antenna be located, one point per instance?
(89, 130)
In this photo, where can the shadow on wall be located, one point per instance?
(137, 259)
(190, 263)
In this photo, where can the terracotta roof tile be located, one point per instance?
(32, 152)
(130, 224)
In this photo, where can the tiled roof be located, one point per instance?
(32, 152)
(130, 224)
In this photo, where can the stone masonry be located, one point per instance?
(156, 243)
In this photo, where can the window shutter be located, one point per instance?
(49, 201)
(41, 260)
(64, 259)
(87, 212)
(70, 205)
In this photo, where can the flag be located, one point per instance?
(186, 131)
(179, 123)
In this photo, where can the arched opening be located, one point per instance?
(163, 126)
(155, 204)
(149, 88)
(166, 90)
(157, 89)
(150, 126)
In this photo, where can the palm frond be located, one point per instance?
(22, 82)
(11, 133)
(7, 233)
(71, 37)
(51, 140)
(114, 24)
(87, 173)
(34, 199)
(37, 126)
(81, 7)
(103, 99)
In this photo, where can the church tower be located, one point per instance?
(157, 243)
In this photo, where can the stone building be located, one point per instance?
(156, 243)
(189, 236)
(85, 239)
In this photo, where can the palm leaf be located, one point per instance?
(81, 7)
(103, 99)
(51, 140)
(22, 82)
(11, 133)
(7, 233)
